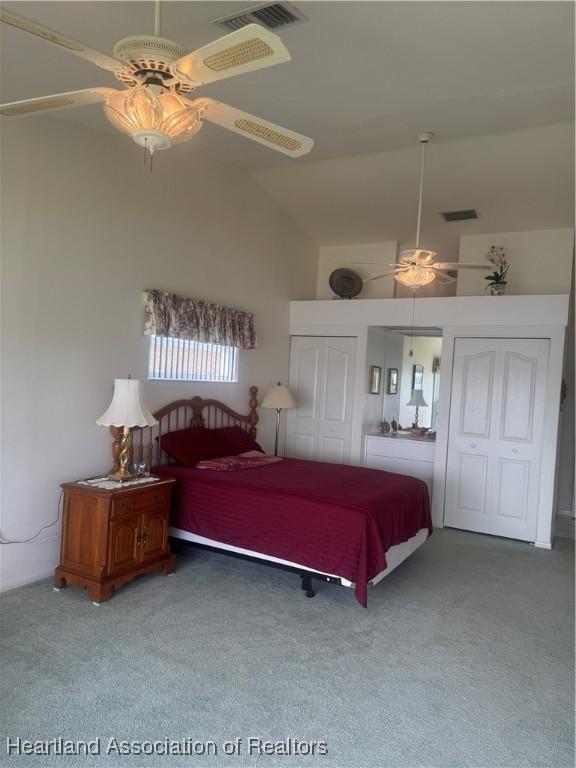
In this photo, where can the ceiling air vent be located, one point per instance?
(271, 15)
(469, 213)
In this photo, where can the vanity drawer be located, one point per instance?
(400, 448)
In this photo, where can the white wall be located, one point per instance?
(85, 228)
(425, 349)
(540, 261)
(367, 259)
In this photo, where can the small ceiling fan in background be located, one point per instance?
(158, 75)
(415, 266)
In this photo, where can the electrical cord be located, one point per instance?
(44, 527)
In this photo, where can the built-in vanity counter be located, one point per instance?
(403, 453)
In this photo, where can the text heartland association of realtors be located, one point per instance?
(252, 745)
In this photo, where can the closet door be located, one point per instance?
(305, 372)
(495, 439)
(322, 380)
(336, 400)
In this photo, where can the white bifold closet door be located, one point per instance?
(322, 374)
(495, 435)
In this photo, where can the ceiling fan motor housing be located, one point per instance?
(147, 55)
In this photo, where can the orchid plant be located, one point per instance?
(497, 256)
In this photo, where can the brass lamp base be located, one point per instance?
(123, 474)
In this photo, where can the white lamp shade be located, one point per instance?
(417, 399)
(279, 397)
(127, 408)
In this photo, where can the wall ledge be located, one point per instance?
(437, 312)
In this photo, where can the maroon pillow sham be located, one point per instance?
(194, 444)
(238, 441)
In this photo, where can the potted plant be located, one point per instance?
(497, 280)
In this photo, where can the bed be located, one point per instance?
(341, 524)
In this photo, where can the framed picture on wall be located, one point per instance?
(417, 376)
(375, 380)
(392, 386)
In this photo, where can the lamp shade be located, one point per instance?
(417, 399)
(127, 408)
(278, 397)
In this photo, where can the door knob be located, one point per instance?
(472, 445)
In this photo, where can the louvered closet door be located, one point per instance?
(322, 380)
(495, 439)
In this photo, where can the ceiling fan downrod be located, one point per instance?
(157, 17)
(423, 138)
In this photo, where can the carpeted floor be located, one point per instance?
(463, 658)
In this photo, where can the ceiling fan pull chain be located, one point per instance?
(145, 142)
(411, 353)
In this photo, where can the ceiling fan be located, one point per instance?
(158, 75)
(416, 267)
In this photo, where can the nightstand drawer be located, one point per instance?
(153, 497)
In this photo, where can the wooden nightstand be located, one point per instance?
(111, 536)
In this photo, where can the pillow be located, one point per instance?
(194, 444)
(237, 440)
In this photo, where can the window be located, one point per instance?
(183, 360)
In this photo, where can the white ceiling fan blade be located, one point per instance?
(56, 38)
(244, 50)
(385, 274)
(445, 279)
(55, 101)
(459, 265)
(251, 127)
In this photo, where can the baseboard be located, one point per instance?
(22, 564)
(8, 586)
(565, 524)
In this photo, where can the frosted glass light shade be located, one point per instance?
(417, 399)
(139, 110)
(418, 262)
(127, 408)
(279, 396)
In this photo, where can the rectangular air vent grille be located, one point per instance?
(272, 16)
(464, 215)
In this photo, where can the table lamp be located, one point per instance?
(278, 397)
(417, 399)
(126, 410)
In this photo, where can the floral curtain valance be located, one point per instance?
(167, 314)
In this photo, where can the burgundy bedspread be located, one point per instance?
(332, 518)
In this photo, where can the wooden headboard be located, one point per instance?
(180, 414)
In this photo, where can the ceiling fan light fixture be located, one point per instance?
(154, 121)
(415, 277)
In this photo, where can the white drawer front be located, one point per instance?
(400, 448)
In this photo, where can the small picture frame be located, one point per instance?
(392, 385)
(417, 377)
(375, 380)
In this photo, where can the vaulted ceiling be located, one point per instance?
(365, 78)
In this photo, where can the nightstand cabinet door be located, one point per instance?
(124, 543)
(154, 533)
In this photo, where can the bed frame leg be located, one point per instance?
(307, 584)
